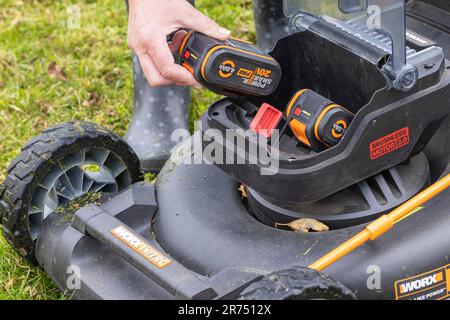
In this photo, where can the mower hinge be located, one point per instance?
(83, 215)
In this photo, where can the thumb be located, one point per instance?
(197, 21)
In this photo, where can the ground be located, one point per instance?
(54, 68)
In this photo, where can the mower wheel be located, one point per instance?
(63, 164)
(297, 283)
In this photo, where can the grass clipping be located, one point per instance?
(76, 204)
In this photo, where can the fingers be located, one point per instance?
(195, 20)
(177, 40)
(161, 70)
(164, 61)
(151, 73)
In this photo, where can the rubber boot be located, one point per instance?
(157, 113)
(271, 23)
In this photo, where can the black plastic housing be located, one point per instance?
(354, 82)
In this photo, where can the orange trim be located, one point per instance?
(447, 278)
(227, 63)
(339, 135)
(241, 40)
(185, 40)
(188, 67)
(208, 55)
(292, 102)
(299, 129)
(381, 225)
(320, 118)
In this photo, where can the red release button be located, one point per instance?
(266, 120)
(187, 54)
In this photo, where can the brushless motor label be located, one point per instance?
(432, 285)
(389, 143)
(141, 246)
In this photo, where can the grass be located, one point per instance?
(50, 73)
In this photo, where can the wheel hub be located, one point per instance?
(76, 174)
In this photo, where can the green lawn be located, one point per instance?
(50, 73)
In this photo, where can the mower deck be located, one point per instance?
(213, 219)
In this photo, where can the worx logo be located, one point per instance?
(431, 285)
(422, 283)
(141, 246)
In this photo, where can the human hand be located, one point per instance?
(150, 21)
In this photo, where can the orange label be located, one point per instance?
(432, 285)
(141, 246)
(245, 73)
(299, 129)
(447, 275)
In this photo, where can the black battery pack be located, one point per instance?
(233, 67)
(316, 121)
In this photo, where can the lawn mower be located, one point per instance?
(354, 103)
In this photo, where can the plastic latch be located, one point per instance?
(267, 119)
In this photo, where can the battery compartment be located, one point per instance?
(320, 65)
(310, 61)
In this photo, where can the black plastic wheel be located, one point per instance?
(57, 167)
(297, 283)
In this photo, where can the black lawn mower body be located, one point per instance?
(217, 247)
(210, 242)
